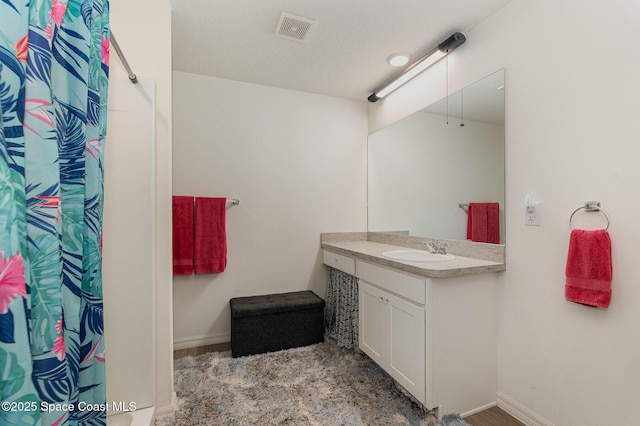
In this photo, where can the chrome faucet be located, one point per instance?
(434, 247)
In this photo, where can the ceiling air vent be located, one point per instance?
(294, 27)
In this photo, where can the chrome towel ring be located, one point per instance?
(590, 206)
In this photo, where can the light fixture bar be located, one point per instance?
(437, 53)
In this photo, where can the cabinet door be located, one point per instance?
(374, 324)
(406, 360)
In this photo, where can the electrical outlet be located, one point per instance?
(531, 215)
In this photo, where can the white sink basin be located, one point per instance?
(412, 255)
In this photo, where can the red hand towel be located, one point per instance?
(483, 222)
(211, 240)
(182, 235)
(589, 268)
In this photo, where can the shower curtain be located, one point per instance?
(54, 58)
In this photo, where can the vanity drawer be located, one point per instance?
(338, 261)
(401, 284)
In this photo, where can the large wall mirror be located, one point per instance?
(421, 168)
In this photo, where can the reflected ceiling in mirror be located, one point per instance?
(421, 168)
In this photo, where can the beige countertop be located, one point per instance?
(371, 251)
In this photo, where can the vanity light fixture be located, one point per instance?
(437, 53)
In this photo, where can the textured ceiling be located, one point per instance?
(345, 55)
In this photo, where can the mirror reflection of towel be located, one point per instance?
(589, 268)
(483, 223)
(210, 247)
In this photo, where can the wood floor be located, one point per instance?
(491, 417)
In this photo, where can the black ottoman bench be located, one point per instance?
(275, 321)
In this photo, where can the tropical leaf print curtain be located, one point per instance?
(54, 58)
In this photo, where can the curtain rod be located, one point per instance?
(114, 43)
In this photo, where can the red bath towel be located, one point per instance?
(483, 222)
(182, 235)
(589, 268)
(210, 255)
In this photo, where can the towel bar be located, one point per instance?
(590, 206)
(233, 201)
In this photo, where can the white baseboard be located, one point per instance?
(477, 410)
(520, 412)
(168, 410)
(195, 341)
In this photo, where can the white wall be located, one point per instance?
(128, 274)
(143, 31)
(296, 161)
(572, 100)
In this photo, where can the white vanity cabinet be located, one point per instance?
(392, 324)
(392, 334)
(338, 261)
(437, 337)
